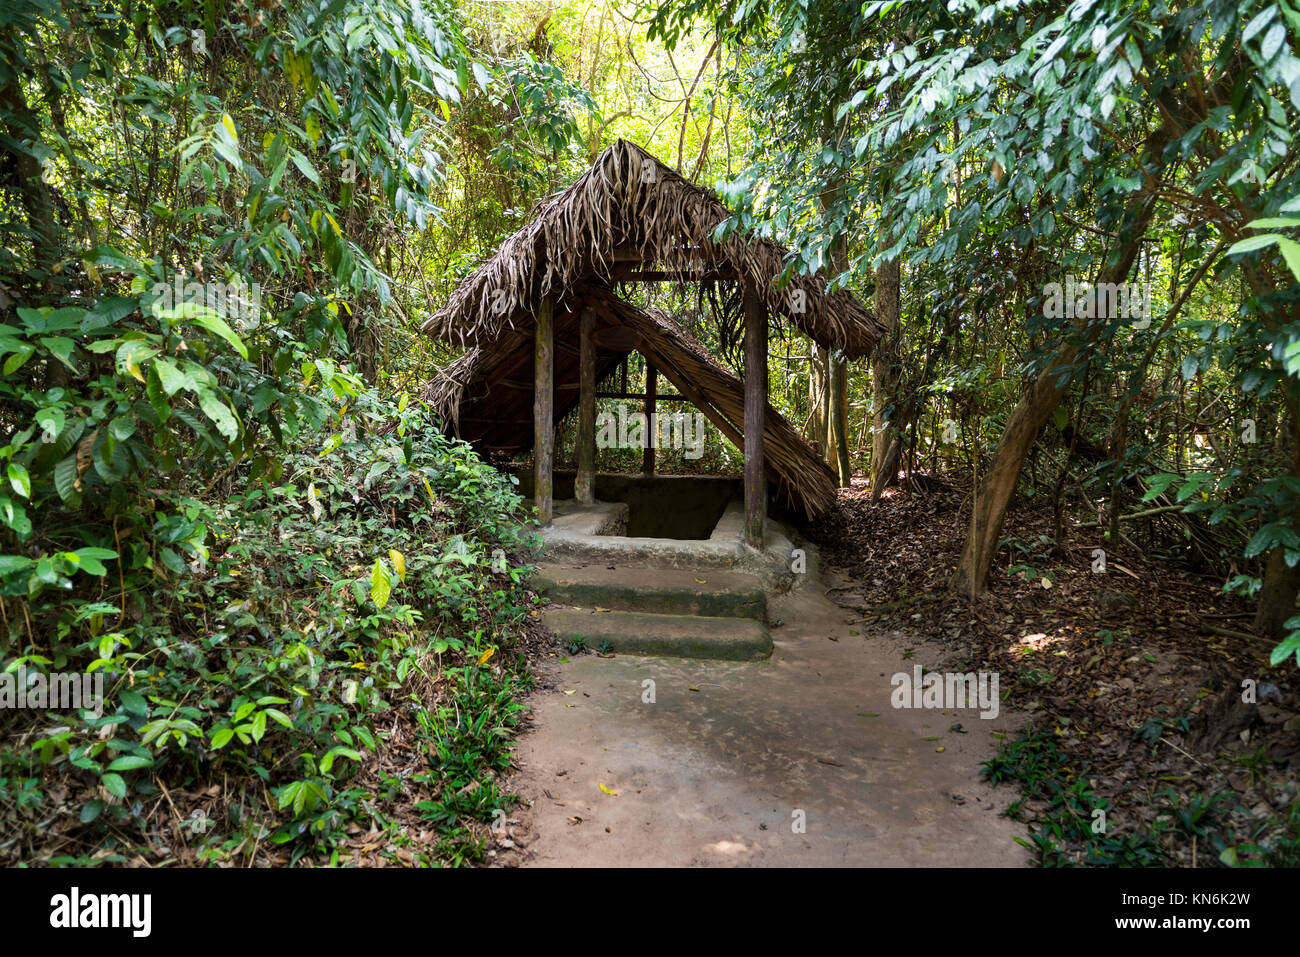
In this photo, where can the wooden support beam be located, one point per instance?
(651, 387)
(584, 488)
(755, 404)
(544, 411)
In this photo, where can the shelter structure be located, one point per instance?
(542, 322)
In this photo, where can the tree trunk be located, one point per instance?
(884, 370)
(839, 408)
(1277, 596)
(818, 397)
(994, 493)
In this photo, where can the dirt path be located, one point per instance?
(720, 775)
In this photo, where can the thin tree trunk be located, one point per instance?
(993, 495)
(839, 394)
(884, 371)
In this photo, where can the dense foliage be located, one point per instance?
(222, 228)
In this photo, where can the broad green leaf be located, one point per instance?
(130, 762)
(170, 377)
(380, 583)
(20, 480)
(114, 784)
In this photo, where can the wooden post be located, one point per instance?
(755, 406)
(544, 411)
(584, 487)
(651, 398)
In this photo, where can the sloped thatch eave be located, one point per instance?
(631, 205)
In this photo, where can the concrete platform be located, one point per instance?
(796, 761)
(713, 593)
(577, 534)
(675, 636)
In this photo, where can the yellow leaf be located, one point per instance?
(428, 488)
(399, 562)
(229, 124)
(607, 790)
(333, 222)
(482, 659)
(575, 691)
(693, 688)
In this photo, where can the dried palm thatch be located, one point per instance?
(630, 208)
(486, 395)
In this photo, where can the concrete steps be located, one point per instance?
(668, 591)
(674, 636)
(684, 613)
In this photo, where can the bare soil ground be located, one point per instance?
(799, 761)
(1137, 673)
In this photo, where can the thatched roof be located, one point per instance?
(486, 395)
(630, 208)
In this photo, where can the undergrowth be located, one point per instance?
(264, 643)
(1070, 825)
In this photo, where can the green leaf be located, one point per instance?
(22, 353)
(130, 762)
(88, 559)
(380, 583)
(61, 348)
(20, 480)
(1274, 222)
(1289, 646)
(170, 377)
(65, 477)
(107, 312)
(304, 166)
(221, 737)
(219, 413)
(131, 353)
(122, 427)
(50, 421)
(214, 323)
(114, 784)
(171, 559)
(108, 256)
